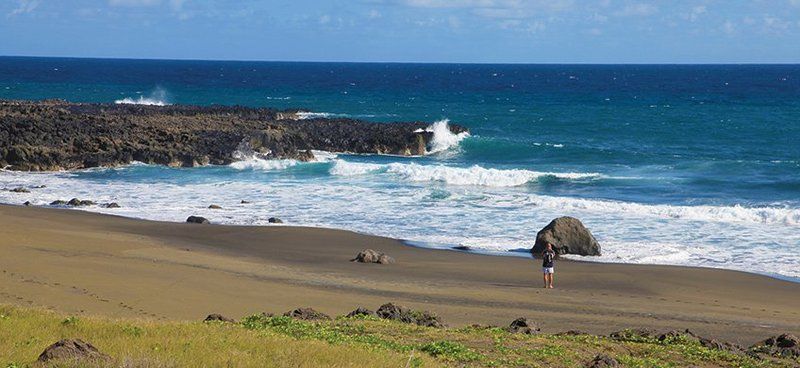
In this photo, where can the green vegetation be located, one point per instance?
(278, 341)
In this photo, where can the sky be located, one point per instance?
(468, 31)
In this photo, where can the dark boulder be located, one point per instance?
(71, 349)
(784, 346)
(360, 312)
(602, 361)
(218, 317)
(371, 256)
(244, 202)
(274, 220)
(521, 325)
(78, 202)
(568, 236)
(19, 190)
(308, 314)
(111, 205)
(396, 312)
(214, 207)
(720, 345)
(58, 202)
(197, 220)
(27, 203)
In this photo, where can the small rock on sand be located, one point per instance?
(197, 220)
(308, 314)
(274, 220)
(521, 325)
(372, 256)
(361, 312)
(79, 202)
(784, 345)
(27, 203)
(71, 349)
(218, 317)
(602, 361)
(406, 315)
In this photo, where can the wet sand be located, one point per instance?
(85, 263)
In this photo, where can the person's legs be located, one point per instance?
(552, 275)
(545, 280)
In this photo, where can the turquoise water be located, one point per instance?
(691, 165)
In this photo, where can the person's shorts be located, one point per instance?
(548, 269)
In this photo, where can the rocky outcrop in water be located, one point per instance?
(58, 135)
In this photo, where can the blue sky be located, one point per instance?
(516, 31)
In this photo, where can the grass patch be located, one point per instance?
(278, 341)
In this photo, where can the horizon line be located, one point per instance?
(397, 62)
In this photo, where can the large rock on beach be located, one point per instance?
(58, 135)
(71, 349)
(568, 236)
(372, 256)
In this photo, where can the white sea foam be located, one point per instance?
(157, 98)
(443, 139)
(254, 163)
(251, 161)
(475, 175)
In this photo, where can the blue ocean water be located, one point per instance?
(671, 164)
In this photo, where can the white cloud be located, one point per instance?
(696, 12)
(637, 9)
(775, 24)
(729, 27)
(23, 7)
(599, 18)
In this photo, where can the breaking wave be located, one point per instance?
(475, 175)
(443, 139)
(157, 98)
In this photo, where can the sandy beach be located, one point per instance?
(85, 263)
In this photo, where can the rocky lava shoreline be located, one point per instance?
(53, 135)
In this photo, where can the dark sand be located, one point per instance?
(85, 263)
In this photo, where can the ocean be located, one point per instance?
(695, 165)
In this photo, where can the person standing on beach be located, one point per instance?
(548, 265)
